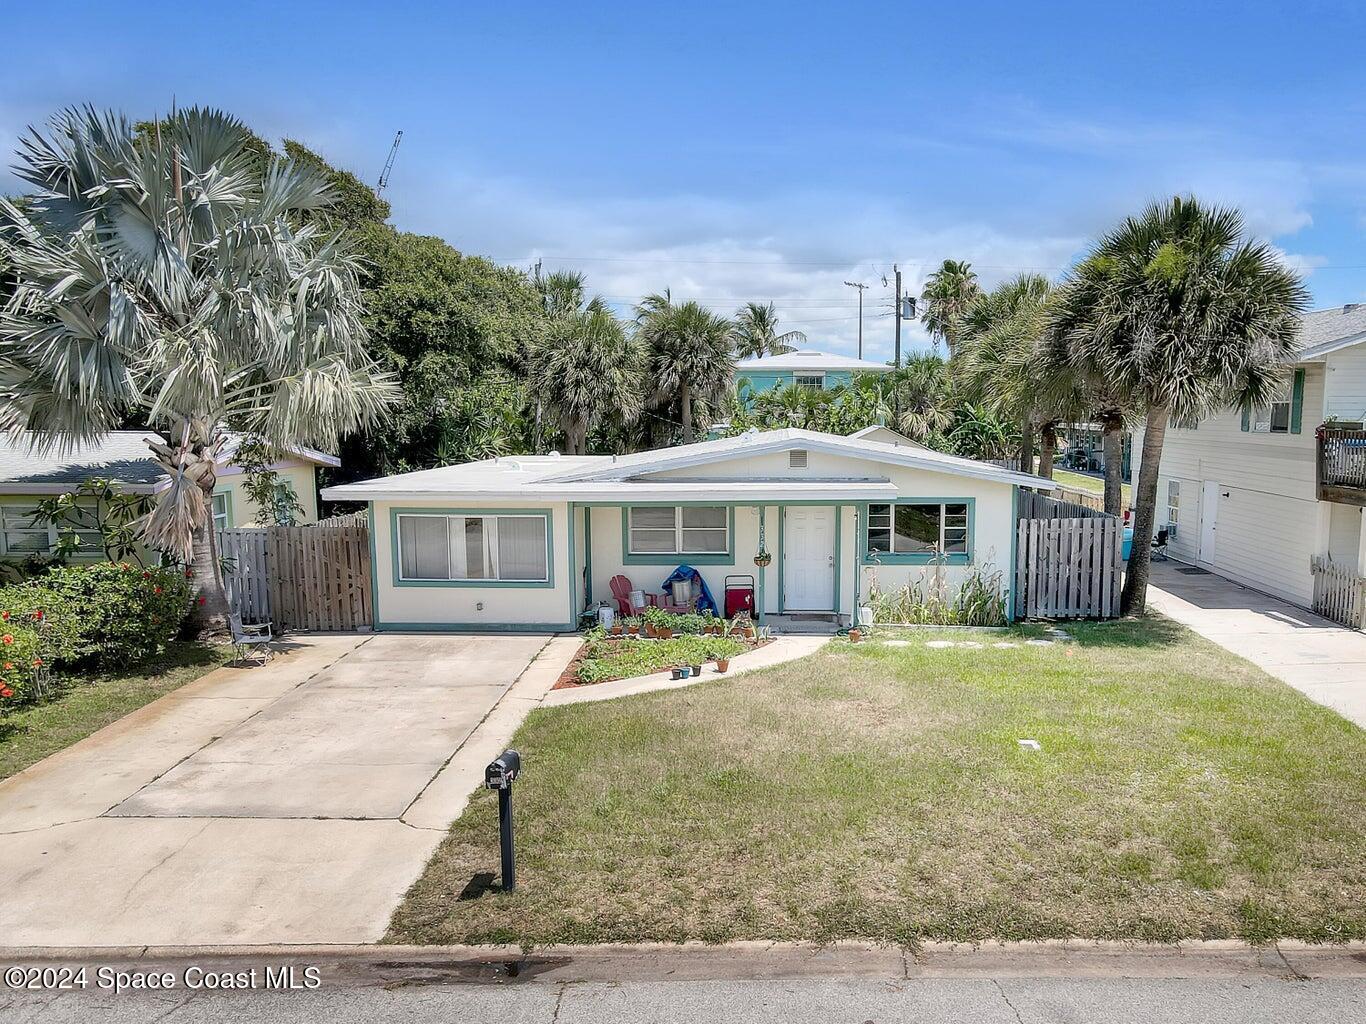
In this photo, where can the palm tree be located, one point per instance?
(923, 394)
(176, 280)
(587, 371)
(1003, 362)
(756, 332)
(1178, 312)
(689, 356)
(563, 293)
(945, 299)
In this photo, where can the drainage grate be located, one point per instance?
(1191, 570)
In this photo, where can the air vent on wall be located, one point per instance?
(796, 458)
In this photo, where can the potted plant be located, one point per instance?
(696, 670)
(675, 673)
(632, 626)
(617, 629)
(722, 664)
(664, 633)
(855, 635)
(683, 671)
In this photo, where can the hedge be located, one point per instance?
(105, 615)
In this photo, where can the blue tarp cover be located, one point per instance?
(687, 572)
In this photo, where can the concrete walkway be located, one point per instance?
(1321, 659)
(784, 648)
(289, 803)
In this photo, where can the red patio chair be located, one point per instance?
(621, 592)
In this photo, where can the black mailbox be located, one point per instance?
(503, 770)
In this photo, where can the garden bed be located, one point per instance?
(603, 658)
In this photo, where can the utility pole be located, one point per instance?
(388, 166)
(897, 315)
(860, 287)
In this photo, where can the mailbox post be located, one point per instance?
(499, 775)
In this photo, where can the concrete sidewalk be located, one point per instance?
(1321, 659)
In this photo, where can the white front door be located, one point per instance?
(809, 558)
(1209, 517)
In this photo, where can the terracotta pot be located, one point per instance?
(855, 636)
(664, 633)
(633, 630)
(616, 631)
(722, 664)
(649, 629)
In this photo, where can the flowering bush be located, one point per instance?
(21, 662)
(104, 614)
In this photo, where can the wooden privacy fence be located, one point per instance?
(1068, 568)
(1339, 593)
(301, 577)
(1033, 505)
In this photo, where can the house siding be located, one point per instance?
(439, 605)
(299, 475)
(1346, 384)
(1267, 518)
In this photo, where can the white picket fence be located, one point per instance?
(1068, 568)
(1339, 593)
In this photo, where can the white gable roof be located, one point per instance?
(809, 360)
(886, 435)
(626, 467)
(1325, 331)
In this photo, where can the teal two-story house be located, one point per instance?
(806, 368)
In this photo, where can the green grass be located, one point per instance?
(1090, 484)
(81, 705)
(880, 793)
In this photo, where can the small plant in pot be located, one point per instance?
(722, 664)
(696, 669)
(632, 626)
(617, 629)
(855, 635)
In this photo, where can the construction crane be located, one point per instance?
(388, 166)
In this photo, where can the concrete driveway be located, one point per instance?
(290, 803)
(1321, 659)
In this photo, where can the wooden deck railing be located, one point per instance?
(1340, 465)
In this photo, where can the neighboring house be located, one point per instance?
(1239, 494)
(122, 456)
(528, 542)
(1084, 449)
(809, 369)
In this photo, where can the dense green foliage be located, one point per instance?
(107, 615)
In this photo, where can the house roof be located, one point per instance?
(1325, 331)
(809, 359)
(631, 478)
(877, 432)
(120, 455)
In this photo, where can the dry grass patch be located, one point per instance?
(879, 792)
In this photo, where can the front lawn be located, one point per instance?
(881, 792)
(81, 705)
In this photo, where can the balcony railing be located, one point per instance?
(1341, 465)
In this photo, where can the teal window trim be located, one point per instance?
(1297, 402)
(677, 557)
(546, 584)
(867, 557)
(587, 556)
(1014, 534)
(374, 565)
(226, 494)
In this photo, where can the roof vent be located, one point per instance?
(1350, 306)
(796, 458)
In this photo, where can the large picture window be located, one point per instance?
(918, 528)
(678, 530)
(474, 547)
(22, 533)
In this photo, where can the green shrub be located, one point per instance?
(21, 662)
(106, 614)
(927, 599)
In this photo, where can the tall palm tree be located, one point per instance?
(1003, 362)
(1178, 311)
(689, 357)
(586, 372)
(923, 395)
(945, 299)
(756, 332)
(173, 279)
(563, 293)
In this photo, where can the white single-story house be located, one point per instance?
(529, 542)
(122, 456)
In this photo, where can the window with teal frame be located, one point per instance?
(919, 531)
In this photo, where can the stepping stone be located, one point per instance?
(972, 644)
(938, 643)
(1039, 643)
(1002, 645)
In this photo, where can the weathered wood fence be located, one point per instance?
(1339, 593)
(1033, 505)
(1068, 568)
(301, 577)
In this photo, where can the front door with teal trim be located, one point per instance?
(808, 552)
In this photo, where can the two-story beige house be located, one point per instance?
(1257, 495)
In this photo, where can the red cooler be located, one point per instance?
(739, 596)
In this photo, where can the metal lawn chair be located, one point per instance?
(251, 641)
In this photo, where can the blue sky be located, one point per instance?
(766, 151)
